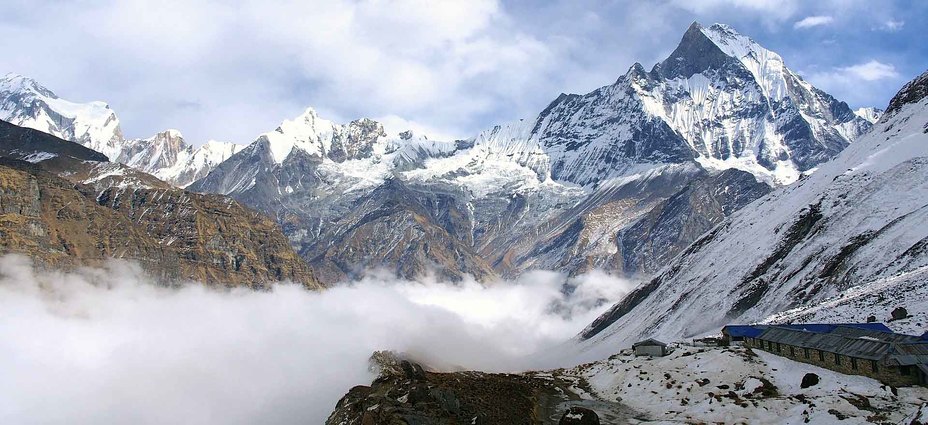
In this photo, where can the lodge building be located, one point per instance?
(854, 349)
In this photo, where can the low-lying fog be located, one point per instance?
(107, 346)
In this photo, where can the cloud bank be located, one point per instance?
(107, 346)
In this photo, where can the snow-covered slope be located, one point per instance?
(26, 103)
(738, 386)
(877, 298)
(859, 219)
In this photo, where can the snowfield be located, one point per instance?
(738, 385)
(878, 299)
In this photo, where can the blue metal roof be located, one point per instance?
(925, 336)
(824, 328)
(749, 331)
(753, 331)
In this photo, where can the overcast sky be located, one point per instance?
(230, 72)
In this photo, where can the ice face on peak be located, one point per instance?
(729, 40)
(20, 83)
(870, 114)
(195, 163)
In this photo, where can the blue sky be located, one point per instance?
(232, 70)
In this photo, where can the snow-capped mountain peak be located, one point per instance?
(154, 153)
(306, 132)
(167, 156)
(26, 103)
(16, 82)
(321, 138)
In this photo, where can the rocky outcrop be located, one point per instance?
(406, 393)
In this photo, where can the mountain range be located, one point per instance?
(622, 178)
(737, 191)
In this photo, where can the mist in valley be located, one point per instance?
(106, 345)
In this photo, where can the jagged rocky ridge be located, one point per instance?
(860, 220)
(64, 206)
(26, 103)
(622, 178)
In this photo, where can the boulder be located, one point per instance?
(809, 380)
(900, 313)
(577, 415)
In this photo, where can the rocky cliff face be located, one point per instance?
(859, 220)
(175, 235)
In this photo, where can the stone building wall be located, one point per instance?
(891, 375)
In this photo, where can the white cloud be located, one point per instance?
(253, 63)
(865, 72)
(813, 21)
(774, 9)
(870, 71)
(107, 346)
(858, 84)
(233, 70)
(892, 25)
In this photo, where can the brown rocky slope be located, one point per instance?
(175, 235)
